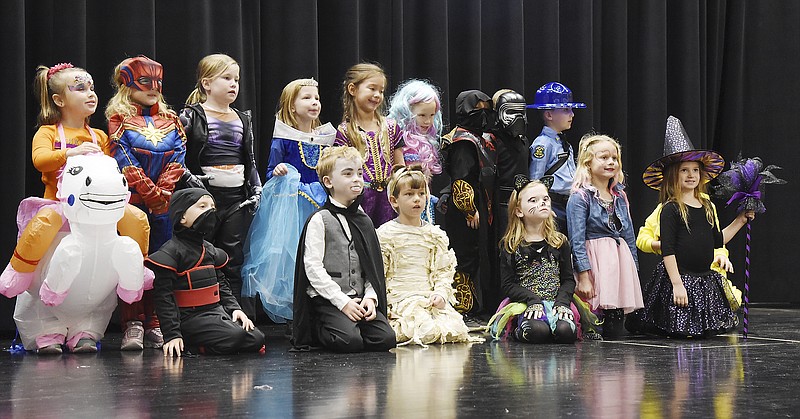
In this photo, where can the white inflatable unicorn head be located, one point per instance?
(93, 190)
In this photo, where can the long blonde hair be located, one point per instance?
(515, 231)
(210, 67)
(122, 104)
(44, 89)
(356, 75)
(583, 171)
(286, 101)
(670, 191)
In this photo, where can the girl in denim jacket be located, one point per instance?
(601, 234)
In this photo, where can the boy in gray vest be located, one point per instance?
(339, 287)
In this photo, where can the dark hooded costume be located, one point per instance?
(470, 161)
(316, 320)
(192, 296)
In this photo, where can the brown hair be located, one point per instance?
(670, 191)
(356, 75)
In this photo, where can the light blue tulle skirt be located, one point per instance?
(270, 249)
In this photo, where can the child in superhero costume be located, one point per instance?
(148, 142)
(191, 294)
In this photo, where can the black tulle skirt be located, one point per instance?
(708, 312)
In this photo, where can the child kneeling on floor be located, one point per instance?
(192, 296)
(340, 288)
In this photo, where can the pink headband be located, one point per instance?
(56, 68)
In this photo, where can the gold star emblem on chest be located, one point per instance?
(151, 133)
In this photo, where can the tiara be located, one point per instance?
(310, 82)
(56, 68)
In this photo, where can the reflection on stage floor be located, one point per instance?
(723, 377)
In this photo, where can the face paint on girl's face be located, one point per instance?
(83, 81)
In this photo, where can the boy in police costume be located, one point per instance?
(552, 158)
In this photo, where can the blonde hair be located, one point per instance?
(328, 157)
(515, 231)
(286, 101)
(44, 89)
(122, 104)
(356, 75)
(583, 172)
(210, 67)
(670, 191)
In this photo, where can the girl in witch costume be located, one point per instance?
(601, 234)
(419, 267)
(291, 194)
(192, 296)
(469, 156)
(220, 146)
(148, 142)
(686, 298)
(536, 271)
(377, 138)
(67, 99)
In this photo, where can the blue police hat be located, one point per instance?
(554, 95)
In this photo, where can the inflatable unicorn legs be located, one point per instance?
(75, 287)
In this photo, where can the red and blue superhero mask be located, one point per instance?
(142, 73)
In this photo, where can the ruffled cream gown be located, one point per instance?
(418, 264)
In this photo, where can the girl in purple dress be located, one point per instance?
(377, 138)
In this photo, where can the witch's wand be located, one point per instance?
(744, 184)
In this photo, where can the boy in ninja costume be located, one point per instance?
(470, 160)
(192, 296)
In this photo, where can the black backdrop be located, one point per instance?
(727, 69)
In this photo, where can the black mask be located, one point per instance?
(469, 116)
(205, 222)
(511, 114)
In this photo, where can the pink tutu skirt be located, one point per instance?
(614, 275)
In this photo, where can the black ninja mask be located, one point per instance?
(205, 222)
(511, 114)
(469, 116)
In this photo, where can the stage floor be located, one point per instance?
(638, 377)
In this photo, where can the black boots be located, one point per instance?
(613, 323)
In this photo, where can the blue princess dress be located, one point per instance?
(286, 202)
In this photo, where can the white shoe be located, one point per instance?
(133, 338)
(153, 338)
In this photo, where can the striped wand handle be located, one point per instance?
(746, 282)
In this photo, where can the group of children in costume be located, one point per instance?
(343, 243)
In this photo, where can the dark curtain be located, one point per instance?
(727, 69)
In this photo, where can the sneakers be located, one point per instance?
(133, 338)
(153, 338)
(54, 349)
(85, 346)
